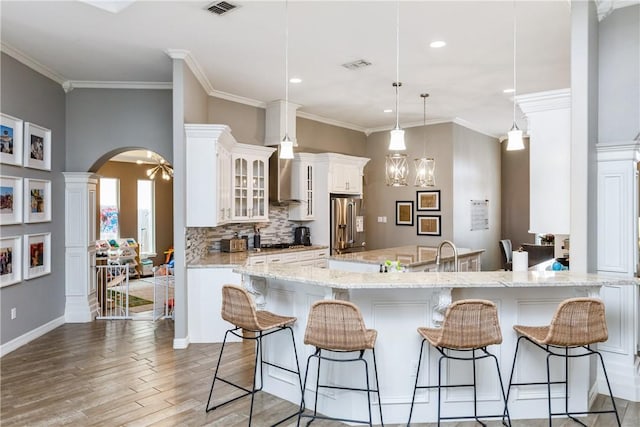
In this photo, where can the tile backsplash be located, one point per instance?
(201, 240)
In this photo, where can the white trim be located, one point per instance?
(87, 84)
(23, 339)
(606, 7)
(180, 343)
(455, 120)
(32, 63)
(193, 65)
(544, 101)
(237, 98)
(332, 122)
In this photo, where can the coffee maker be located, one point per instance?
(302, 236)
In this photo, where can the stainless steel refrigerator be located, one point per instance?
(347, 224)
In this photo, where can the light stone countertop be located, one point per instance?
(340, 279)
(234, 259)
(410, 256)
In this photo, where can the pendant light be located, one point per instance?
(396, 142)
(286, 146)
(395, 164)
(515, 134)
(425, 166)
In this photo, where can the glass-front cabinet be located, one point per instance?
(302, 187)
(250, 177)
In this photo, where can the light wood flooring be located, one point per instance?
(115, 373)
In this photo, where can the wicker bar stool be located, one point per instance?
(576, 324)
(469, 326)
(239, 309)
(337, 326)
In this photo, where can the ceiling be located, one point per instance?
(241, 54)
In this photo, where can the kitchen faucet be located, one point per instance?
(455, 254)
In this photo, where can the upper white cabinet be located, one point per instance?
(207, 166)
(302, 187)
(250, 182)
(225, 181)
(344, 172)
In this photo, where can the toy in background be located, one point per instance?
(169, 257)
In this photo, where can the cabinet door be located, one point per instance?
(346, 178)
(224, 185)
(240, 188)
(302, 186)
(257, 182)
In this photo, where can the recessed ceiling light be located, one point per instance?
(388, 110)
(438, 43)
(509, 90)
(295, 80)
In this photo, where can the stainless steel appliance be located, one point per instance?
(347, 224)
(302, 236)
(233, 245)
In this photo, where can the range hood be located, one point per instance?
(280, 169)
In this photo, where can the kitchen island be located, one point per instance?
(395, 304)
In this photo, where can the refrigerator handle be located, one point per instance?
(352, 222)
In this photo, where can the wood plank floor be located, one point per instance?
(126, 373)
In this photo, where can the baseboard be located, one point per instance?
(18, 342)
(180, 343)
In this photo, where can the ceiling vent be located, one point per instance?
(355, 65)
(221, 8)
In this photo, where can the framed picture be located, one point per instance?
(10, 140)
(429, 225)
(37, 147)
(37, 255)
(37, 200)
(10, 200)
(428, 200)
(10, 261)
(404, 213)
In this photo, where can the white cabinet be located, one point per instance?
(302, 188)
(346, 178)
(310, 258)
(208, 174)
(250, 183)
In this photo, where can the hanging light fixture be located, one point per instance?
(286, 146)
(396, 142)
(396, 168)
(161, 166)
(515, 134)
(425, 166)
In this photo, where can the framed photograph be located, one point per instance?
(37, 200)
(10, 140)
(10, 200)
(429, 225)
(404, 213)
(37, 147)
(37, 255)
(10, 261)
(428, 200)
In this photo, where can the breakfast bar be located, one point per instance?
(396, 304)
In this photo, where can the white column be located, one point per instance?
(80, 236)
(617, 228)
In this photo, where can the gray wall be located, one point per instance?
(246, 122)
(515, 195)
(619, 79)
(476, 176)
(34, 98)
(317, 137)
(381, 200)
(104, 122)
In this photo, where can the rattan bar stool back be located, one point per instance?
(576, 324)
(239, 309)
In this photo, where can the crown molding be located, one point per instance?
(32, 63)
(237, 98)
(455, 120)
(332, 122)
(606, 7)
(69, 85)
(544, 101)
(193, 65)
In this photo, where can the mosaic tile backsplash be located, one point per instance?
(201, 240)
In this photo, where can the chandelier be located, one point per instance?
(161, 167)
(425, 166)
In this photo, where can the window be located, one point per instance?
(109, 208)
(146, 216)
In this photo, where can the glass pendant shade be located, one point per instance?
(286, 148)
(396, 143)
(396, 170)
(425, 172)
(515, 139)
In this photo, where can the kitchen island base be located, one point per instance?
(396, 313)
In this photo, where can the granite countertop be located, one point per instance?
(487, 279)
(409, 256)
(233, 259)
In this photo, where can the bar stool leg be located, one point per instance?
(315, 405)
(215, 375)
(475, 393)
(504, 396)
(609, 387)
(513, 369)
(549, 389)
(258, 362)
(375, 371)
(439, 385)
(415, 387)
(366, 377)
(304, 387)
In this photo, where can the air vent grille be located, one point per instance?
(221, 7)
(355, 65)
